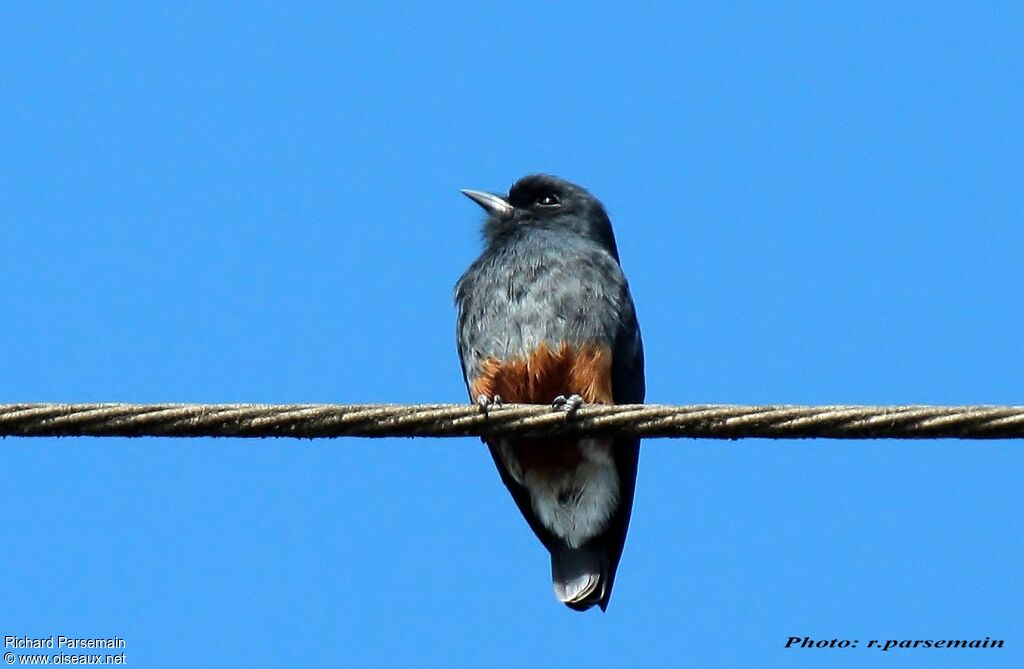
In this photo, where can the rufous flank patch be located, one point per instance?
(547, 373)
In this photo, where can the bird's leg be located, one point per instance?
(486, 403)
(569, 404)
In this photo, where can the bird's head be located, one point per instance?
(545, 202)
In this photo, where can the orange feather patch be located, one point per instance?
(546, 373)
(538, 379)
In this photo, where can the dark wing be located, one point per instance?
(628, 387)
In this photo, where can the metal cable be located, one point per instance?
(717, 421)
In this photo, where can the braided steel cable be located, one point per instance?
(716, 421)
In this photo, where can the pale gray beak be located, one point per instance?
(495, 205)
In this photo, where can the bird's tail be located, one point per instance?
(581, 576)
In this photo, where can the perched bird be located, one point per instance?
(545, 316)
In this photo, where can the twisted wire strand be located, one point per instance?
(715, 421)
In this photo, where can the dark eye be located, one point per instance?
(549, 200)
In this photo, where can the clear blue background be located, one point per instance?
(815, 203)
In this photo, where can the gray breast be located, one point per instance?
(519, 295)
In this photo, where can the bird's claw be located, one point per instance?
(486, 403)
(568, 404)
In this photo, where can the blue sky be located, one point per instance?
(814, 203)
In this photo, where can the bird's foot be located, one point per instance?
(487, 403)
(568, 404)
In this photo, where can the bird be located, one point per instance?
(545, 316)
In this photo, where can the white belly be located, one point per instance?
(575, 504)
